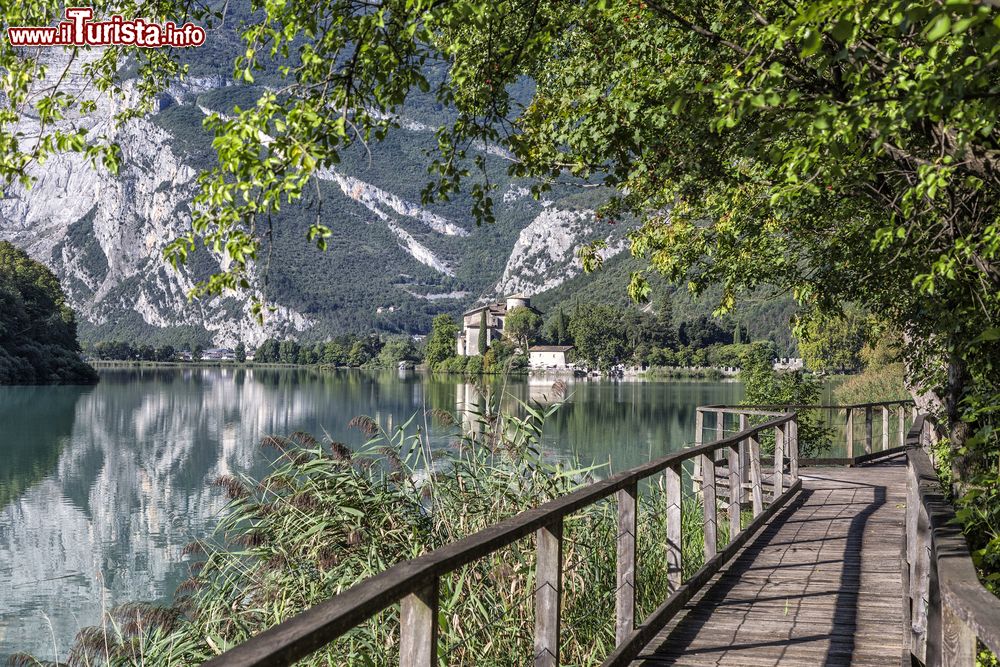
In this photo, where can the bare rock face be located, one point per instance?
(546, 253)
(104, 234)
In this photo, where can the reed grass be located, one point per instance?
(329, 516)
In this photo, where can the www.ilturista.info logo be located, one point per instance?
(79, 30)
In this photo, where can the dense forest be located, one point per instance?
(38, 342)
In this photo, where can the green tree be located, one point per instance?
(483, 336)
(831, 342)
(600, 336)
(241, 352)
(335, 353)
(523, 326)
(666, 335)
(288, 352)
(557, 328)
(765, 386)
(268, 352)
(197, 353)
(442, 342)
(397, 350)
(38, 343)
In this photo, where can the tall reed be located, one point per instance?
(328, 517)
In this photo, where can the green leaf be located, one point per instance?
(939, 27)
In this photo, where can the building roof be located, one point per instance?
(500, 307)
(550, 348)
(495, 308)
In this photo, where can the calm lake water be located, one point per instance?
(101, 487)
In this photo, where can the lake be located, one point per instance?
(102, 487)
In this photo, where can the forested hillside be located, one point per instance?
(37, 328)
(766, 316)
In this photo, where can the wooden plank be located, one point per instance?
(793, 449)
(418, 627)
(710, 509)
(885, 427)
(699, 434)
(849, 429)
(819, 586)
(626, 570)
(779, 461)
(868, 430)
(755, 476)
(951, 563)
(735, 492)
(548, 594)
(744, 461)
(673, 489)
(958, 641)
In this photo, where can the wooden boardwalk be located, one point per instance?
(820, 584)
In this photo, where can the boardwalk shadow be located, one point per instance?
(832, 637)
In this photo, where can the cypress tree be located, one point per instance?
(482, 332)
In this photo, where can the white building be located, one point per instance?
(549, 356)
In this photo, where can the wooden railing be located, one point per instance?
(414, 583)
(857, 450)
(945, 608)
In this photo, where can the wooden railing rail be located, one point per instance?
(414, 583)
(946, 610)
(870, 448)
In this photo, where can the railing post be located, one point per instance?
(699, 438)
(744, 461)
(906, 562)
(933, 651)
(709, 504)
(779, 462)
(958, 641)
(756, 492)
(902, 425)
(735, 491)
(625, 589)
(418, 627)
(885, 427)
(720, 425)
(918, 555)
(868, 430)
(850, 432)
(673, 488)
(548, 594)
(793, 449)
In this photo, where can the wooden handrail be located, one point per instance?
(415, 582)
(871, 450)
(806, 406)
(945, 607)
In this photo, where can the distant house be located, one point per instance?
(548, 356)
(219, 354)
(496, 313)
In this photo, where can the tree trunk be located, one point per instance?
(958, 430)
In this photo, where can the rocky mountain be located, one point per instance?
(392, 264)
